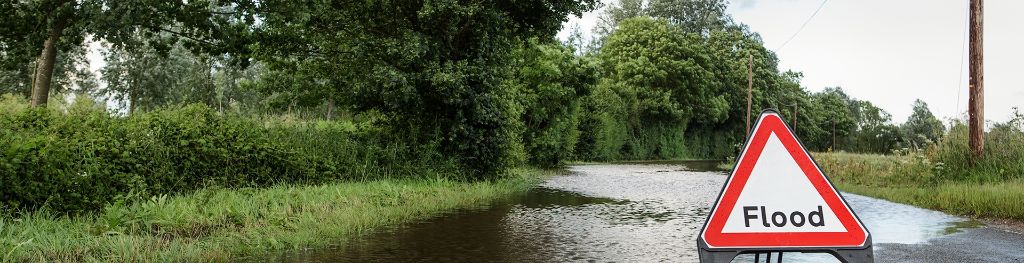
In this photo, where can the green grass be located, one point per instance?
(911, 179)
(999, 200)
(225, 224)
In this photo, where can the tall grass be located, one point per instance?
(224, 224)
(949, 160)
(1003, 159)
(943, 177)
(999, 200)
(872, 170)
(361, 149)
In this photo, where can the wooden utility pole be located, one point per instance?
(750, 88)
(796, 110)
(833, 135)
(976, 105)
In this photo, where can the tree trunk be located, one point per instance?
(330, 109)
(133, 98)
(44, 67)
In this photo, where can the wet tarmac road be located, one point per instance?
(646, 213)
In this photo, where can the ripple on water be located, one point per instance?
(602, 213)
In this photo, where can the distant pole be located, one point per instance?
(796, 111)
(976, 106)
(833, 135)
(750, 88)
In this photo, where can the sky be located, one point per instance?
(888, 52)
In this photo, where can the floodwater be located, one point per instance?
(603, 213)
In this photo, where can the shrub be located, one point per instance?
(81, 159)
(1003, 159)
(603, 130)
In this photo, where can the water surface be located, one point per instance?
(603, 213)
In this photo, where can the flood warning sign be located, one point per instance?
(777, 197)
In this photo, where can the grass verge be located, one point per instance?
(222, 224)
(911, 179)
(999, 200)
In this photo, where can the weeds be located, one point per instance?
(943, 176)
(221, 224)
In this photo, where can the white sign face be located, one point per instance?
(778, 197)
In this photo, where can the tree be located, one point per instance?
(436, 69)
(550, 82)
(875, 132)
(43, 29)
(17, 62)
(140, 77)
(664, 71)
(922, 128)
(298, 87)
(725, 47)
(692, 16)
(615, 13)
(667, 80)
(832, 120)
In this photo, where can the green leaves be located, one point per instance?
(550, 83)
(922, 127)
(79, 161)
(438, 68)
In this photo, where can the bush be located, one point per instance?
(603, 130)
(656, 141)
(80, 159)
(947, 161)
(1004, 154)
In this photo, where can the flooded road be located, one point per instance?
(619, 213)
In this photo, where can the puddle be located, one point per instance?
(605, 213)
(958, 227)
(899, 223)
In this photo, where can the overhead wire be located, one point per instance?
(963, 49)
(803, 26)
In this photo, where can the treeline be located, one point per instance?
(414, 89)
(479, 85)
(671, 82)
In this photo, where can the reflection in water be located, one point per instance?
(601, 213)
(684, 165)
(898, 223)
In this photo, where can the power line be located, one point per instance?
(963, 49)
(802, 26)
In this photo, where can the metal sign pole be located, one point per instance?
(846, 255)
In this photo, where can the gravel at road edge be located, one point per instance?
(984, 244)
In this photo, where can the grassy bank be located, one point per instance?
(916, 180)
(221, 224)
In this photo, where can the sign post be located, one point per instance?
(777, 199)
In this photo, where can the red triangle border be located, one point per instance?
(768, 123)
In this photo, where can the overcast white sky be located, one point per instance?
(890, 52)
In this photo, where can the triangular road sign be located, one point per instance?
(777, 198)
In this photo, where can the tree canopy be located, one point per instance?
(484, 83)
